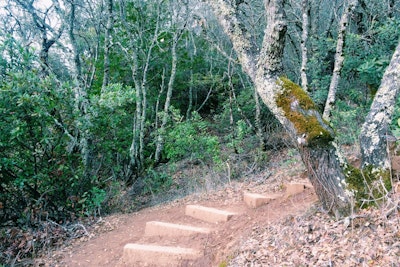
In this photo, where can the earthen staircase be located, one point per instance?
(159, 247)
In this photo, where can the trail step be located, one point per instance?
(207, 214)
(296, 188)
(135, 254)
(154, 228)
(256, 200)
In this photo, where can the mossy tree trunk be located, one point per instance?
(373, 147)
(287, 101)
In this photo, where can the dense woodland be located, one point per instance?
(97, 95)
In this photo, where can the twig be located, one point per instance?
(77, 225)
(59, 225)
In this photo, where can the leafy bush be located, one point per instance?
(41, 173)
(346, 121)
(368, 55)
(191, 139)
(92, 201)
(237, 139)
(156, 182)
(112, 131)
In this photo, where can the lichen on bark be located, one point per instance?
(301, 111)
(369, 184)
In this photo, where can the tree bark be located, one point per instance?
(139, 77)
(161, 133)
(304, 38)
(258, 124)
(288, 102)
(339, 59)
(135, 161)
(375, 129)
(107, 44)
(82, 105)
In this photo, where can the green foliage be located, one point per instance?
(346, 120)
(371, 71)
(116, 97)
(237, 139)
(320, 66)
(39, 171)
(244, 103)
(112, 130)
(191, 139)
(395, 125)
(156, 182)
(368, 56)
(91, 201)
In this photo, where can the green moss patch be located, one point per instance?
(301, 111)
(369, 184)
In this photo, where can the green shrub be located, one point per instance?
(191, 139)
(156, 182)
(237, 139)
(346, 120)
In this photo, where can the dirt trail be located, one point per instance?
(106, 248)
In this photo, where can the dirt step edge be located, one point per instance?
(156, 228)
(254, 200)
(207, 214)
(296, 188)
(158, 255)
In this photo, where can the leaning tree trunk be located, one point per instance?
(288, 102)
(376, 127)
(339, 59)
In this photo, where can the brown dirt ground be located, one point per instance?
(284, 232)
(104, 245)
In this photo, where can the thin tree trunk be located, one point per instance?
(258, 123)
(144, 83)
(132, 57)
(231, 119)
(190, 105)
(375, 129)
(107, 44)
(161, 134)
(339, 59)
(304, 38)
(135, 144)
(162, 86)
(136, 150)
(81, 101)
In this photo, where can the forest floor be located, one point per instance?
(289, 231)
